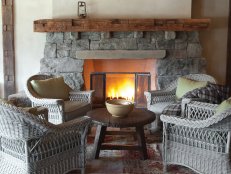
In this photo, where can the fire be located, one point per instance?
(120, 86)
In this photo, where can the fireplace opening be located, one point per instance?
(119, 78)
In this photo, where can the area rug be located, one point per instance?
(128, 162)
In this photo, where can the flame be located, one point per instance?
(121, 86)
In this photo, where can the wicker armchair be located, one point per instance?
(30, 144)
(199, 140)
(60, 111)
(159, 99)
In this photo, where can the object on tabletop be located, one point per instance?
(82, 13)
(119, 107)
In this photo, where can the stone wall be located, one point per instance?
(183, 52)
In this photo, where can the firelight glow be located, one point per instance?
(124, 88)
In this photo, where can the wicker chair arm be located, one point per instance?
(85, 96)
(77, 124)
(188, 104)
(159, 96)
(192, 123)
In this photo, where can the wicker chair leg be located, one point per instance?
(164, 156)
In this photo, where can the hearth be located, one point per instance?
(127, 85)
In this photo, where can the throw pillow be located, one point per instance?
(54, 88)
(185, 85)
(222, 90)
(226, 104)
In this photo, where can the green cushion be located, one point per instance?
(54, 88)
(185, 85)
(226, 104)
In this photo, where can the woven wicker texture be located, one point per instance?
(30, 144)
(55, 106)
(199, 140)
(168, 94)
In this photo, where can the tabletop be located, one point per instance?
(138, 117)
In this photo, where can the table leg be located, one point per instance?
(99, 137)
(142, 142)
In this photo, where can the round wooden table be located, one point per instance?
(137, 118)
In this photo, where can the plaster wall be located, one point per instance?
(125, 8)
(29, 45)
(214, 40)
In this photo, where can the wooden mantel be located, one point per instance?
(107, 25)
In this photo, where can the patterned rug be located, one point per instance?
(128, 162)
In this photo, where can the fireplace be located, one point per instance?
(164, 55)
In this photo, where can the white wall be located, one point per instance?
(125, 8)
(1, 58)
(29, 45)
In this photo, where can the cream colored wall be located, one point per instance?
(1, 59)
(29, 46)
(214, 41)
(125, 8)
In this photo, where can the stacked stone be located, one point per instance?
(183, 52)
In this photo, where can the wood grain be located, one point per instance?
(81, 25)
(8, 47)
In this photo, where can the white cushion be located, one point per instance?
(158, 108)
(75, 109)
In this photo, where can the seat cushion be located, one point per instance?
(74, 109)
(54, 88)
(185, 85)
(159, 107)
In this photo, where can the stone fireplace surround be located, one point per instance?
(177, 53)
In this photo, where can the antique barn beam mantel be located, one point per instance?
(107, 25)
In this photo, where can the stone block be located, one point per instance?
(70, 36)
(56, 37)
(95, 36)
(194, 50)
(50, 50)
(85, 35)
(64, 46)
(165, 44)
(123, 34)
(118, 44)
(138, 34)
(90, 35)
(105, 35)
(74, 80)
(177, 54)
(94, 45)
(145, 44)
(169, 35)
(157, 36)
(193, 36)
(82, 44)
(181, 45)
(170, 66)
(63, 53)
(57, 65)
